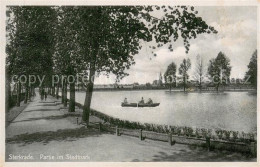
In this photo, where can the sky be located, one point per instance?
(236, 37)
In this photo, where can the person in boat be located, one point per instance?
(125, 101)
(149, 101)
(142, 101)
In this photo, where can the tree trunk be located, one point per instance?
(57, 92)
(8, 96)
(217, 87)
(30, 93)
(72, 98)
(184, 83)
(33, 91)
(65, 94)
(53, 91)
(18, 94)
(62, 92)
(26, 94)
(200, 86)
(89, 92)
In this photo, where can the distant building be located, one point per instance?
(104, 86)
(129, 86)
(135, 83)
(140, 86)
(155, 82)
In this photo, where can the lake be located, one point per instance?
(230, 110)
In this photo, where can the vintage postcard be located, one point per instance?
(127, 82)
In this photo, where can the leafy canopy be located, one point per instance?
(170, 73)
(252, 69)
(184, 67)
(31, 43)
(219, 68)
(109, 36)
(74, 39)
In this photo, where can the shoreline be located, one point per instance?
(173, 90)
(162, 127)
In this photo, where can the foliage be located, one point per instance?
(31, 43)
(219, 70)
(114, 33)
(252, 70)
(170, 74)
(221, 134)
(67, 58)
(183, 70)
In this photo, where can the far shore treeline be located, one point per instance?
(217, 73)
(85, 41)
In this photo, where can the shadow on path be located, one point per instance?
(44, 102)
(45, 105)
(41, 110)
(200, 154)
(49, 118)
(59, 135)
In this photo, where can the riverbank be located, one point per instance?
(45, 132)
(172, 90)
(214, 91)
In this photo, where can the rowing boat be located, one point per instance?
(139, 105)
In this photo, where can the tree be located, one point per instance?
(148, 85)
(170, 75)
(110, 36)
(219, 70)
(183, 70)
(199, 71)
(251, 74)
(30, 48)
(68, 61)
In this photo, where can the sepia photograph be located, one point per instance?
(130, 83)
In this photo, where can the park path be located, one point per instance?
(38, 116)
(42, 132)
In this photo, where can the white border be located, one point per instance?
(4, 3)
